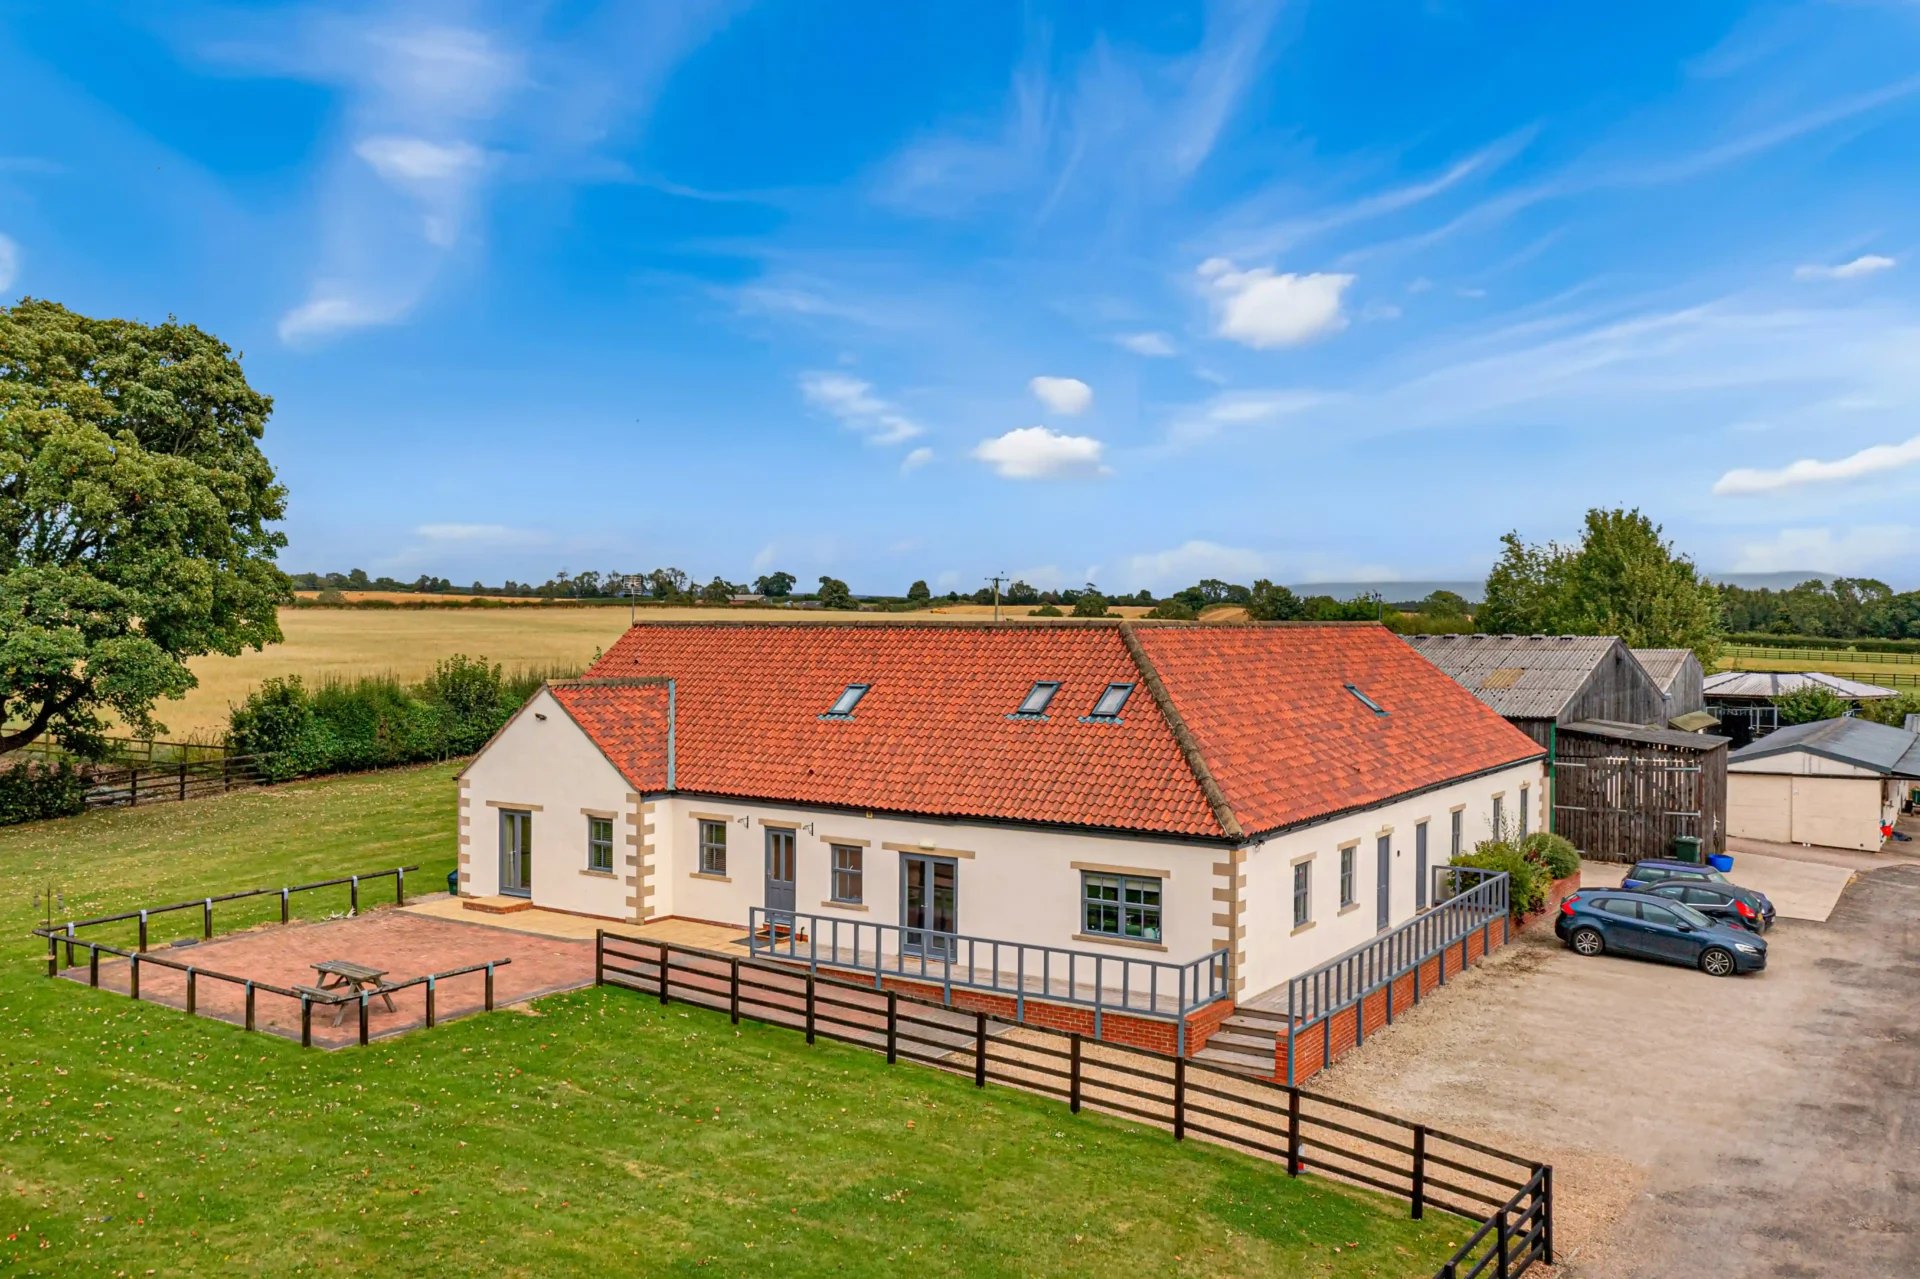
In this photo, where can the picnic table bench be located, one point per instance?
(340, 977)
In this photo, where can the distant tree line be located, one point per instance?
(1845, 608)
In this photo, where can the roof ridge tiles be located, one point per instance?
(1189, 745)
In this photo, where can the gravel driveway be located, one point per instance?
(1750, 1126)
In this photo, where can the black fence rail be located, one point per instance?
(126, 750)
(69, 931)
(114, 785)
(1309, 1133)
(307, 999)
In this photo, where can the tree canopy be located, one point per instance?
(1621, 579)
(136, 514)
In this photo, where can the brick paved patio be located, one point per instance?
(404, 943)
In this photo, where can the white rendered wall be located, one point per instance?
(552, 768)
(1013, 884)
(1275, 950)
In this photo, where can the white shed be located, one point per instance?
(1833, 782)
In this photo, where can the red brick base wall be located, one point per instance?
(1116, 1028)
(1324, 1042)
(1558, 892)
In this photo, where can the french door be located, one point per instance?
(516, 852)
(930, 904)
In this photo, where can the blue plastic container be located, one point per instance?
(453, 883)
(1722, 862)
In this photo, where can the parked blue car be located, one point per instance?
(1629, 923)
(1659, 870)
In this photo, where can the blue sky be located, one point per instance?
(1131, 292)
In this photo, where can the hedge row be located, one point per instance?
(376, 722)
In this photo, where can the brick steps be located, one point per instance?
(1244, 1044)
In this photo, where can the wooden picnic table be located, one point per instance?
(342, 975)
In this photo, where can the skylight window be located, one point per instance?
(1111, 701)
(1037, 700)
(1366, 701)
(849, 699)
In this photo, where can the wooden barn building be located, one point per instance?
(1622, 785)
(1681, 679)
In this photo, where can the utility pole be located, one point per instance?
(996, 594)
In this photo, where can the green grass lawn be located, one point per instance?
(600, 1134)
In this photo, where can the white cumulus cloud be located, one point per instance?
(1808, 470)
(1068, 395)
(852, 401)
(9, 263)
(1866, 264)
(1262, 309)
(1036, 453)
(1158, 345)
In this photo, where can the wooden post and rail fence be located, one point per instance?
(1510, 1198)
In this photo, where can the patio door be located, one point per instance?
(780, 894)
(930, 904)
(516, 852)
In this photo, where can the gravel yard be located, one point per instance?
(1697, 1126)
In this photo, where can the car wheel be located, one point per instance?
(1587, 941)
(1715, 962)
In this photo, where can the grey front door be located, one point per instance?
(930, 904)
(780, 843)
(1420, 866)
(1384, 892)
(516, 852)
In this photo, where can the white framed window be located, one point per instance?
(1302, 894)
(1453, 843)
(1498, 816)
(849, 873)
(600, 843)
(1347, 897)
(713, 848)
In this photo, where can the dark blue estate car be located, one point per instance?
(1634, 923)
(1757, 916)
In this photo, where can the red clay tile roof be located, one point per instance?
(628, 720)
(1269, 709)
(1264, 705)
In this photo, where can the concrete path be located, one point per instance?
(1799, 887)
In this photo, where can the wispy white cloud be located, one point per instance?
(436, 111)
(1193, 561)
(332, 309)
(1156, 345)
(852, 400)
(9, 263)
(1036, 453)
(1876, 460)
(1866, 264)
(1264, 310)
(1235, 409)
(1826, 550)
(916, 459)
(481, 534)
(1116, 122)
(1066, 395)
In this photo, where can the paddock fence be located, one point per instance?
(1510, 1198)
(133, 772)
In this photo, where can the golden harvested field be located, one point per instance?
(408, 641)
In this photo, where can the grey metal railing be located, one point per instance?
(1467, 899)
(1019, 970)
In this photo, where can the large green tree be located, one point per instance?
(1621, 579)
(136, 519)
